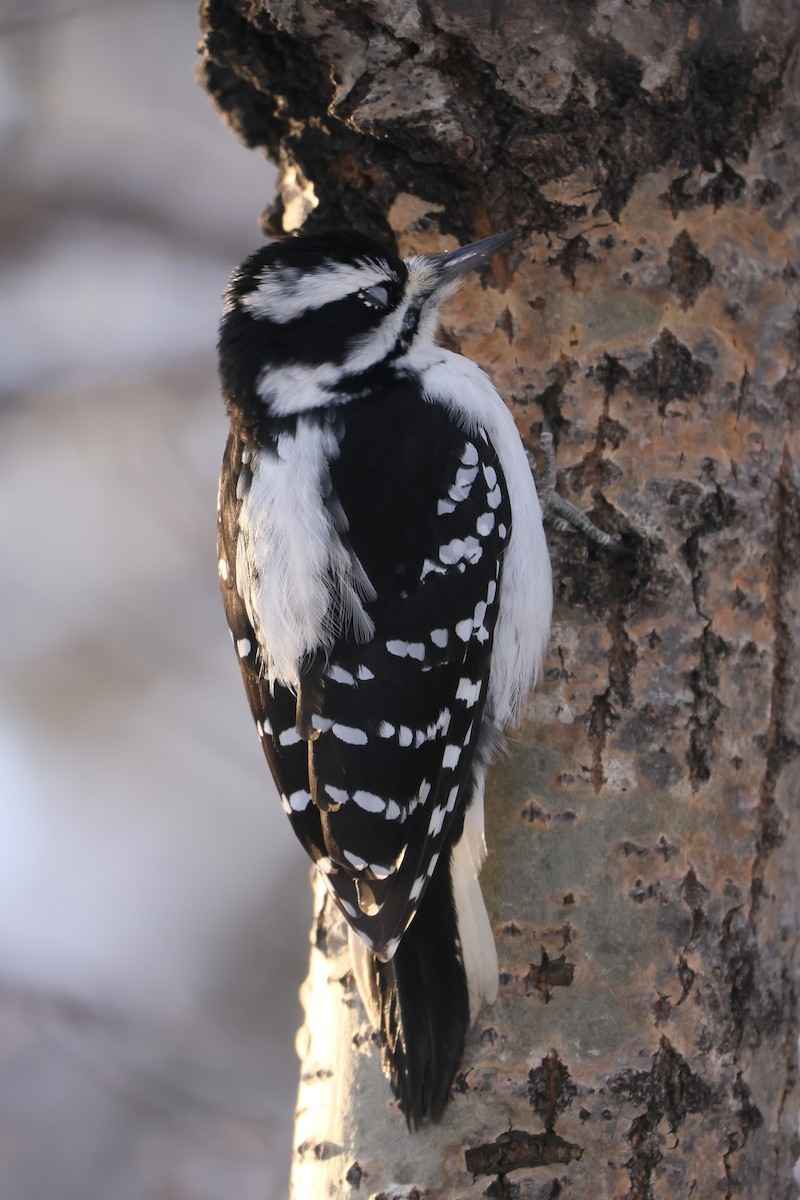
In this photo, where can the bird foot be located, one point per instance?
(557, 511)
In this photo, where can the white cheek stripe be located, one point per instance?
(297, 388)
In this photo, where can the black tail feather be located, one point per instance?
(424, 1006)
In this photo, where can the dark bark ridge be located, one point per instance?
(478, 108)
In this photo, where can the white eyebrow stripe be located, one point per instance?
(279, 297)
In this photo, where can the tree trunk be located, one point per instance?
(643, 829)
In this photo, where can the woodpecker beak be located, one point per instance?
(451, 266)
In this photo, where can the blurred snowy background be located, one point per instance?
(154, 907)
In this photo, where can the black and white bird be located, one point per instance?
(387, 585)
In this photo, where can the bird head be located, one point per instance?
(313, 321)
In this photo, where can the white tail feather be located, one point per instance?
(475, 933)
(477, 940)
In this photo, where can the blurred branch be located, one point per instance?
(31, 18)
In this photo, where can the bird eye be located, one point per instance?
(375, 297)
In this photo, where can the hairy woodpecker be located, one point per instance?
(387, 584)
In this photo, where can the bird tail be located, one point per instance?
(445, 967)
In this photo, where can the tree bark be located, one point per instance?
(643, 829)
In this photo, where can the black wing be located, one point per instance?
(374, 757)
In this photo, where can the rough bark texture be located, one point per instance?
(644, 832)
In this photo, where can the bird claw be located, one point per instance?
(561, 513)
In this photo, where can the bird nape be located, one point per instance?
(387, 585)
